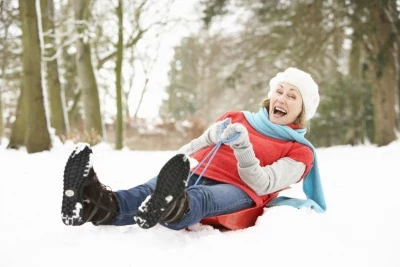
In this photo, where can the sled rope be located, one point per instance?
(213, 151)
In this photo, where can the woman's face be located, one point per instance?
(286, 104)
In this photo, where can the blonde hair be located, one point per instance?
(301, 119)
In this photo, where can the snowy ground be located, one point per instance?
(360, 228)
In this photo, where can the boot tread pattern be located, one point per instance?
(171, 183)
(75, 173)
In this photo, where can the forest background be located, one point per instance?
(90, 70)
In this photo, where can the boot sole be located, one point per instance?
(75, 175)
(171, 184)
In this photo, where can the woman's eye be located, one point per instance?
(292, 96)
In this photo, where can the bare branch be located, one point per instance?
(146, 71)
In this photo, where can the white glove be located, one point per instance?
(232, 130)
(186, 149)
(208, 138)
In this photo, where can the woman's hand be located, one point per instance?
(211, 134)
(239, 135)
(208, 138)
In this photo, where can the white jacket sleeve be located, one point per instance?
(270, 178)
(208, 138)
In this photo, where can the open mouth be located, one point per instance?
(279, 112)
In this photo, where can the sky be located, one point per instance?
(360, 227)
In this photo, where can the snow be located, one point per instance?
(360, 228)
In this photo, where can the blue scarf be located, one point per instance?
(312, 186)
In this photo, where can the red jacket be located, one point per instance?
(223, 166)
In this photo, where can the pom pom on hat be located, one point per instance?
(306, 85)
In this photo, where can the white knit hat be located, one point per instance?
(306, 85)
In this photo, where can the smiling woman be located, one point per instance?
(300, 119)
(293, 98)
(301, 82)
(286, 104)
(254, 156)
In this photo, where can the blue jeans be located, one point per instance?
(206, 199)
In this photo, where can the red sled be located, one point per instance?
(239, 220)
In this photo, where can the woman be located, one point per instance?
(253, 155)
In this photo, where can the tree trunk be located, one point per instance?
(71, 89)
(70, 76)
(355, 60)
(383, 79)
(17, 137)
(118, 80)
(73, 113)
(58, 117)
(392, 13)
(37, 137)
(1, 118)
(3, 70)
(398, 86)
(357, 108)
(87, 79)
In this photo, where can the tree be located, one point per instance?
(87, 79)
(355, 111)
(58, 118)
(137, 20)
(383, 78)
(18, 131)
(118, 80)
(377, 36)
(67, 34)
(1, 118)
(10, 65)
(311, 35)
(147, 66)
(392, 12)
(12, 74)
(37, 137)
(197, 79)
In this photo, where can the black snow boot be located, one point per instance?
(85, 199)
(176, 210)
(168, 203)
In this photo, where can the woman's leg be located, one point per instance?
(163, 192)
(130, 200)
(212, 200)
